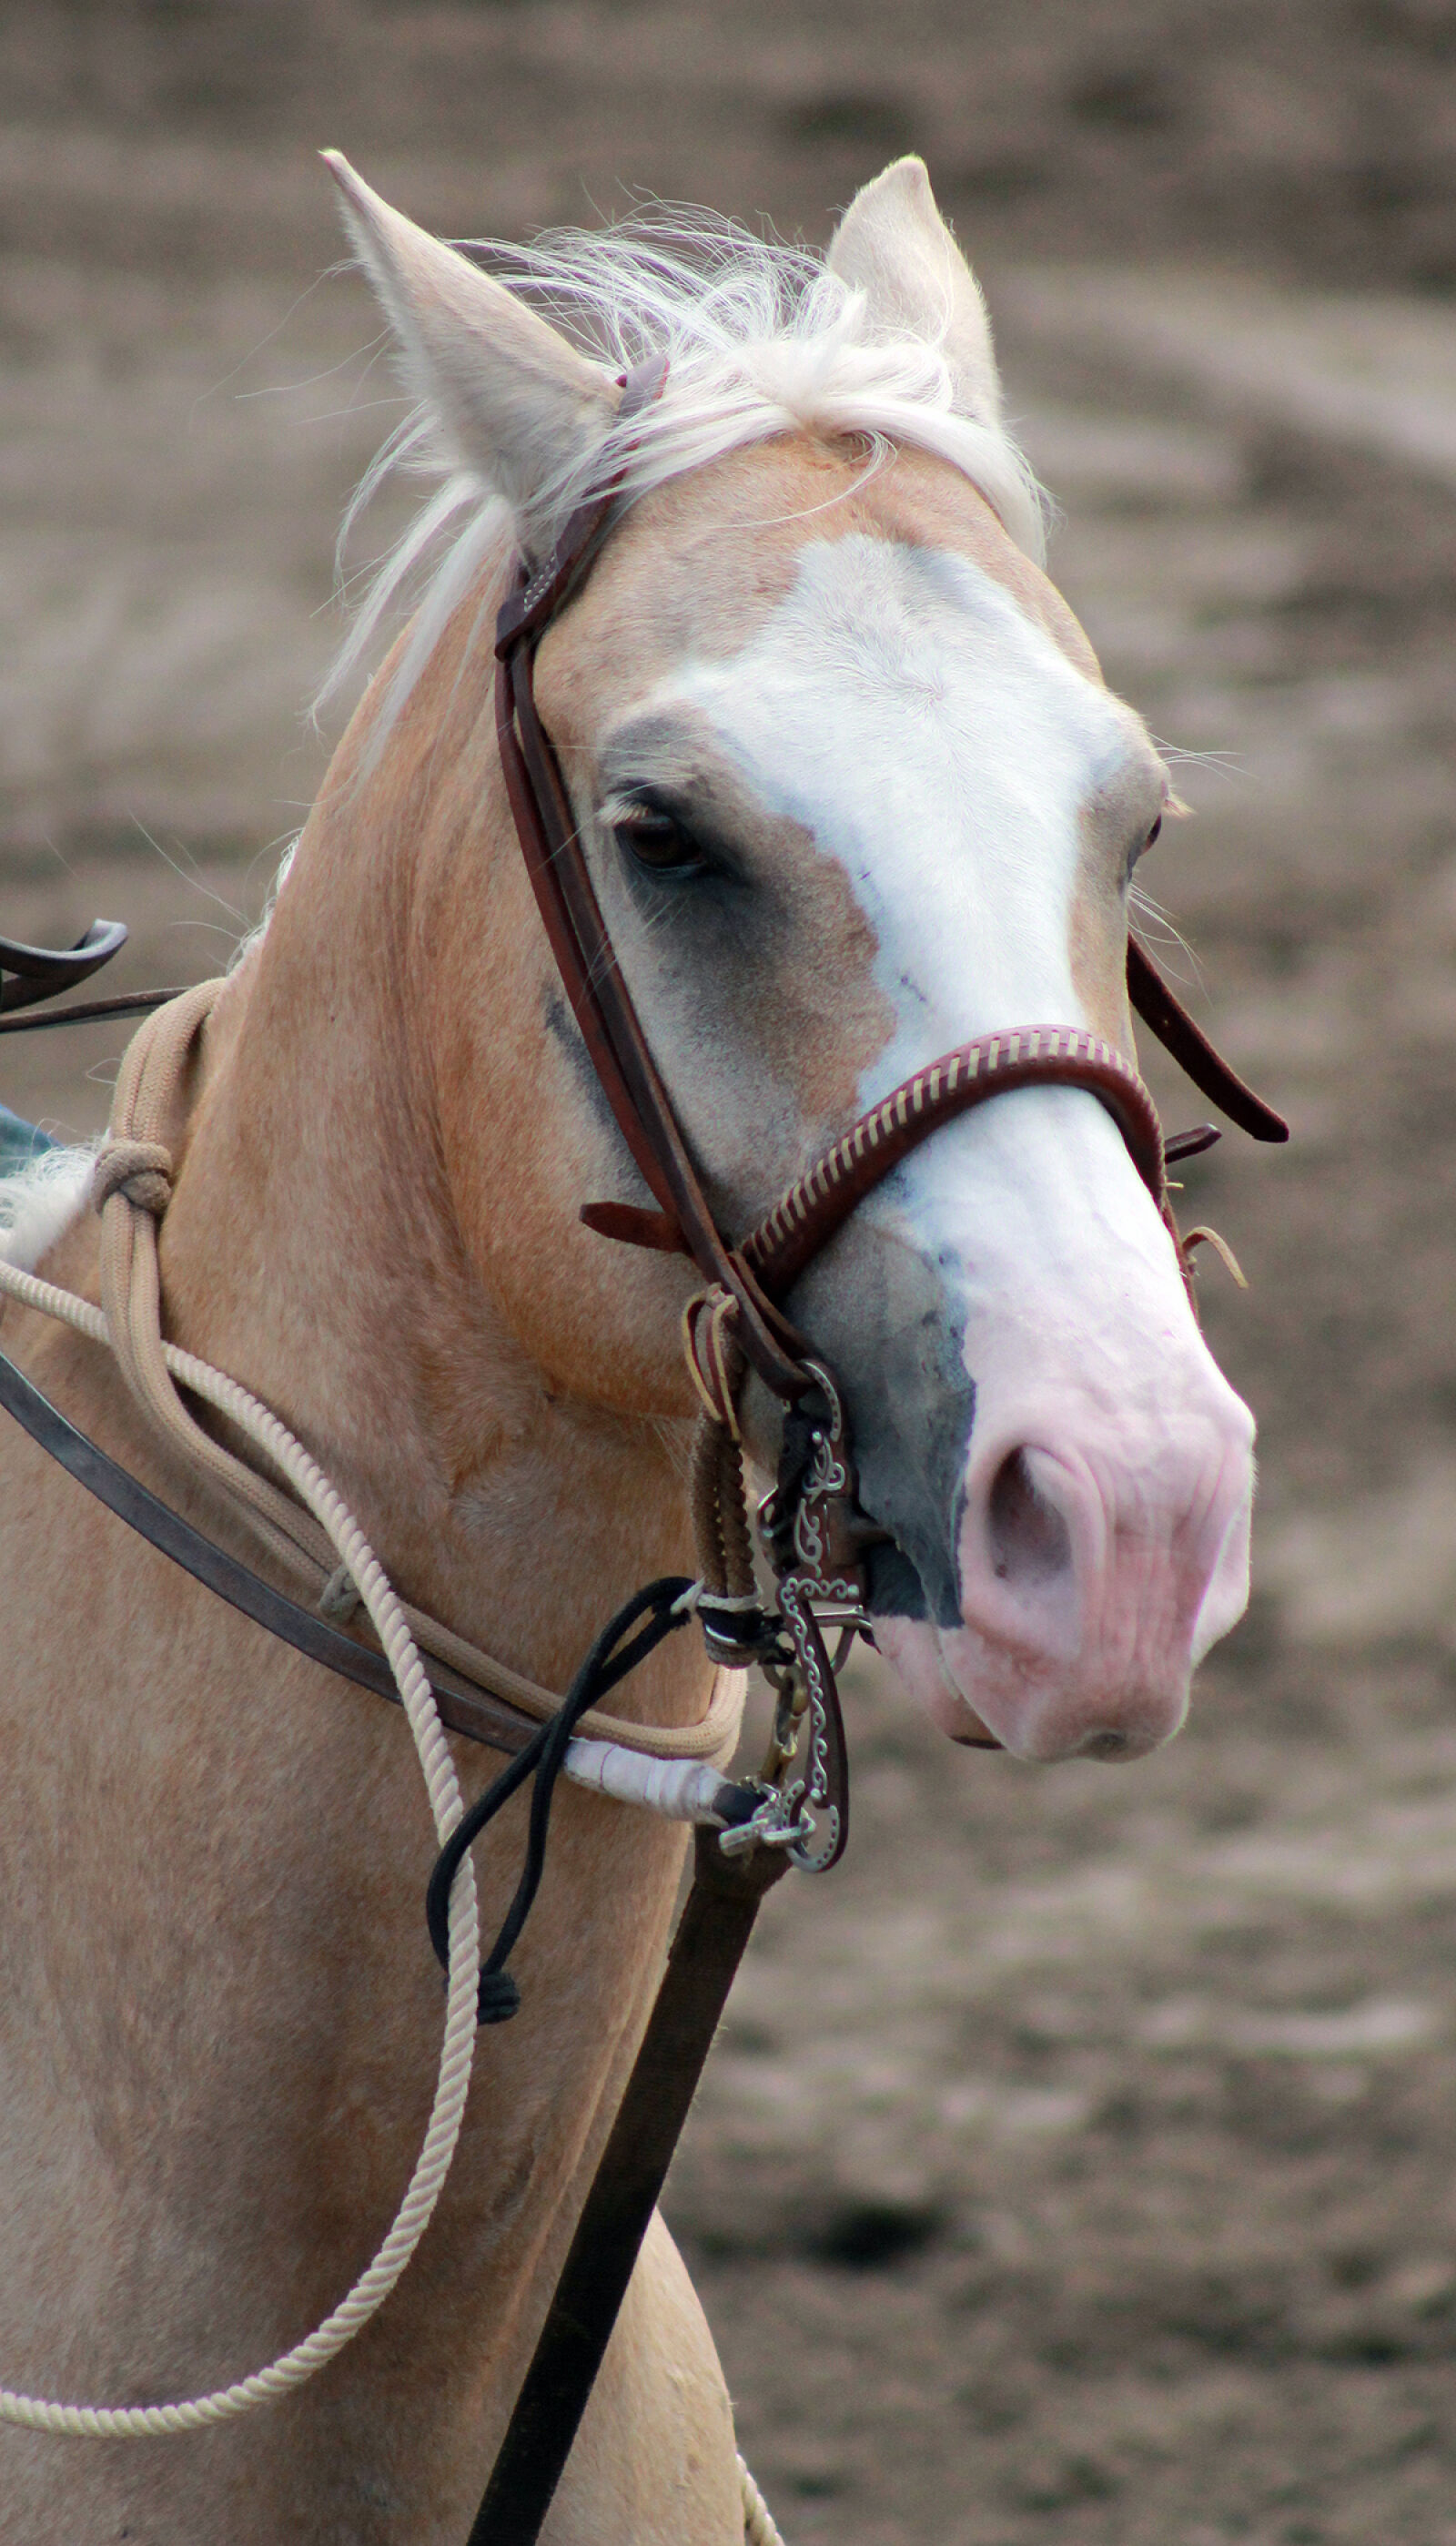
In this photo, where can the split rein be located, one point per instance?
(814, 1538)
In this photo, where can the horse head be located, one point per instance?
(851, 790)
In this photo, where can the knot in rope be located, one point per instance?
(140, 1169)
(339, 1596)
(715, 1358)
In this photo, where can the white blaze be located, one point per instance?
(900, 707)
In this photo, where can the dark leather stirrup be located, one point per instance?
(42, 973)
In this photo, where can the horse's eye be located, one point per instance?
(1140, 850)
(658, 843)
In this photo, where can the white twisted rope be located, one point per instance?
(457, 2047)
(759, 2528)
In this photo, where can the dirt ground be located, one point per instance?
(1077, 2166)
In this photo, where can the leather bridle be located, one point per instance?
(773, 1256)
(812, 1531)
(817, 1546)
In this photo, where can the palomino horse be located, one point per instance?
(851, 789)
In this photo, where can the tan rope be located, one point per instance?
(310, 1519)
(370, 2291)
(131, 1187)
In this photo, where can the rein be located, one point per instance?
(812, 1533)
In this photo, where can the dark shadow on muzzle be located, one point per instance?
(893, 1334)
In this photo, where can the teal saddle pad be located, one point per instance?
(20, 1141)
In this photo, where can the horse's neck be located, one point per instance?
(315, 1246)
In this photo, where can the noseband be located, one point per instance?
(812, 1529)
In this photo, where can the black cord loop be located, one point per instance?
(545, 1756)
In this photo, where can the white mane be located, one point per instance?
(39, 1199)
(761, 340)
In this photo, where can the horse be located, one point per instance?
(851, 789)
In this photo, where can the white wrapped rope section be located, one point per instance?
(678, 1790)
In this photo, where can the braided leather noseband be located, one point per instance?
(812, 1529)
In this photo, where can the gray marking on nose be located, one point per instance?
(889, 1326)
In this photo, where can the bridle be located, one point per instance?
(811, 1530)
(813, 1535)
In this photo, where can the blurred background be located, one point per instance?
(1079, 2163)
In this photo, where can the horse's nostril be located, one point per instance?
(1027, 1535)
(1104, 1746)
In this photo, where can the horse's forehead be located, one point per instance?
(888, 679)
(702, 564)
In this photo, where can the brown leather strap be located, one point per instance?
(128, 1003)
(582, 988)
(712, 1932)
(1190, 1047)
(530, 610)
(472, 1711)
(582, 944)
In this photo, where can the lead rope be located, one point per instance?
(132, 1188)
(134, 1169)
(326, 1505)
(293, 2368)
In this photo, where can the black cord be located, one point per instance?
(127, 1003)
(545, 1755)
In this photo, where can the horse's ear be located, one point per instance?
(893, 244)
(518, 404)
